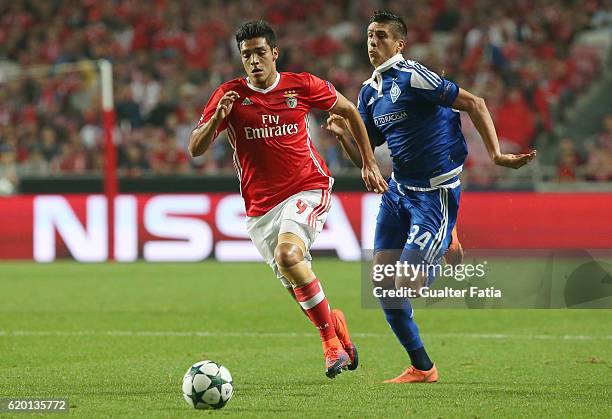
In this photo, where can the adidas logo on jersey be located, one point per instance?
(247, 101)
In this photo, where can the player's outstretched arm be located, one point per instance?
(479, 114)
(202, 137)
(369, 171)
(337, 126)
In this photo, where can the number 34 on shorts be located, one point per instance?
(419, 240)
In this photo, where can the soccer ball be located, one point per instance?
(207, 385)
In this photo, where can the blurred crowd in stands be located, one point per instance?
(590, 160)
(168, 56)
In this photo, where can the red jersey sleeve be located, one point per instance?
(321, 93)
(210, 109)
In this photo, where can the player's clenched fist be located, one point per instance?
(224, 107)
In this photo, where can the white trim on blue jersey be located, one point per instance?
(376, 80)
(436, 243)
(421, 77)
(437, 180)
(417, 121)
(417, 79)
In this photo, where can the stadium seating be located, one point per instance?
(169, 57)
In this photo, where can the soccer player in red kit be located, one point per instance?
(285, 183)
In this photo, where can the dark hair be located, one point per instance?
(256, 29)
(399, 26)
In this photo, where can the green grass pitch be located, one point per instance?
(116, 339)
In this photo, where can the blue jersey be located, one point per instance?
(408, 106)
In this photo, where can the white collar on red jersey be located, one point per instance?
(267, 89)
(376, 80)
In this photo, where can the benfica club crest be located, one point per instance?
(290, 98)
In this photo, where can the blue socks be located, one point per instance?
(405, 329)
(420, 360)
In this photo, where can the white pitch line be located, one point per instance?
(283, 335)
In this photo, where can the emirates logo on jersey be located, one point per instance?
(270, 127)
(290, 98)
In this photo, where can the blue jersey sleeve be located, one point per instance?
(376, 138)
(431, 86)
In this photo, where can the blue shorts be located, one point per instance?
(418, 223)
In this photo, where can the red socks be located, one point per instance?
(292, 292)
(313, 302)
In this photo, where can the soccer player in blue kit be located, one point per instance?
(416, 112)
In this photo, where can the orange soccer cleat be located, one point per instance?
(343, 334)
(336, 358)
(412, 375)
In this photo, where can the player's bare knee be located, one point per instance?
(287, 255)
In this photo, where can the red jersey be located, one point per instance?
(268, 130)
